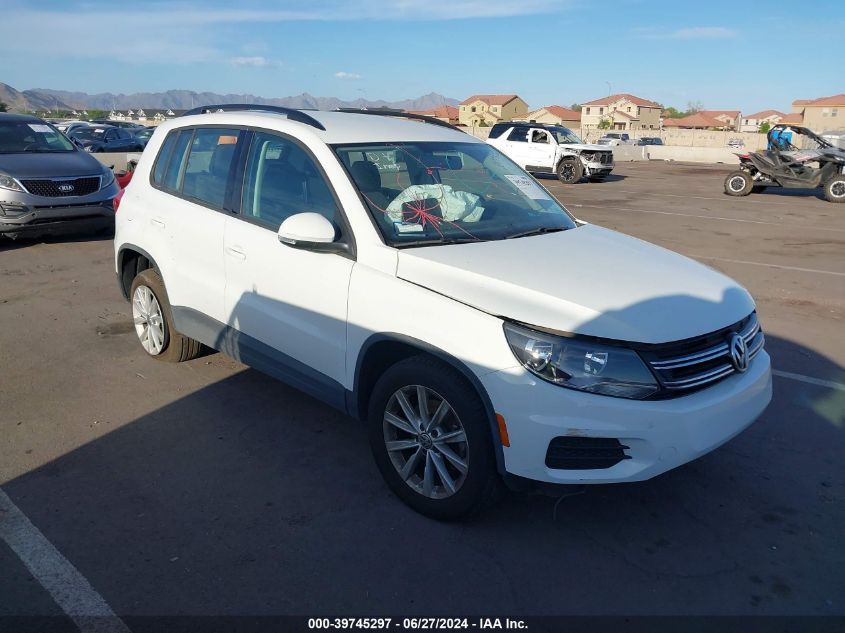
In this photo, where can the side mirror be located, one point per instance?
(310, 232)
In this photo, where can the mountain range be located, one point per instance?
(44, 99)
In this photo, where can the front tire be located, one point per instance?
(739, 183)
(570, 171)
(431, 439)
(153, 321)
(834, 189)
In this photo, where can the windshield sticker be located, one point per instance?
(408, 227)
(99, 130)
(40, 128)
(528, 187)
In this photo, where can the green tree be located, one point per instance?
(604, 124)
(764, 127)
(482, 124)
(672, 113)
(576, 107)
(3, 107)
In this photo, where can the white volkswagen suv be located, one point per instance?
(418, 279)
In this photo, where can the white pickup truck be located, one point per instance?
(551, 149)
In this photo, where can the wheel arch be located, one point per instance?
(381, 351)
(131, 260)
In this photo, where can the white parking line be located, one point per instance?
(780, 266)
(68, 588)
(838, 386)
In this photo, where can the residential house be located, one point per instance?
(706, 120)
(752, 122)
(446, 113)
(823, 114)
(728, 119)
(622, 112)
(490, 109)
(556, 115)
(695, 121)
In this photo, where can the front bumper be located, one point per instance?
(39, 220)
(596, 168)
(660, 434)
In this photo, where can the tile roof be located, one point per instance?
(442, 112)
(565, 114)
(490, 99)
(714, 113)
(795, 118)
(834, 100)
(699, 119)
(624, 95)
(764, 114)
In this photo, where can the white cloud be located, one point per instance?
(702, 33)
(687, 33)
(345, 75)
(256, 62)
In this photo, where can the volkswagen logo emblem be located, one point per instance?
(738, 351)
(65, 188)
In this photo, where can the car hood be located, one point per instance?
(46, 165)
(582, 147)
(587, 280)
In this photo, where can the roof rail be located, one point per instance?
(402, 115)
(292, 114)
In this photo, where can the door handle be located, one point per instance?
(235, 253)
(157, 222)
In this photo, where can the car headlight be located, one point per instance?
(108, 178)
(7, 182)
(582, 365)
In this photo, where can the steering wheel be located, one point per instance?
(30, 146)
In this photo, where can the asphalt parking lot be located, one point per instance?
(208, 488)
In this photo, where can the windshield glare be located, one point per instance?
(565, 136)
(18, 137)
(428, 193)
(89, 134)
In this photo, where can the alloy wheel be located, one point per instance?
(426, 442)
(148, 319)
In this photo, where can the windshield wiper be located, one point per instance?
(440, 241)
(540, 231)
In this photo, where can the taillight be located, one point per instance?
(117, 198)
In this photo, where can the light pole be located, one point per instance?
(608, 88)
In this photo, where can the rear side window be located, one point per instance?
(210, 164)
(163, 157)
(497, 130)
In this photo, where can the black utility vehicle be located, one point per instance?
(797, 158)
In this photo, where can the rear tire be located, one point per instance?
(442, 479)
(834, 189)
(154, 321)
(570, 170)
(739, 183)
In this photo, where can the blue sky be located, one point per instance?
(547, 51)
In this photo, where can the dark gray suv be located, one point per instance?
(47, 184)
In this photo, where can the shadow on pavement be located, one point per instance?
(247, 497)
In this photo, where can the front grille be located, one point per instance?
(695, 363)
(584, 453)
(61, 188)
(605, 157)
